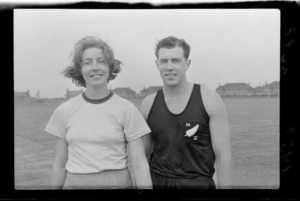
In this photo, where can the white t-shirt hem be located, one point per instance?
(139, 136)
(54, 132)
(97, 171)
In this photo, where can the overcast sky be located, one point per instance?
(227, 46)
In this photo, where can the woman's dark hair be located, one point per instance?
(74, 70)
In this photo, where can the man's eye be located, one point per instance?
(86, 62)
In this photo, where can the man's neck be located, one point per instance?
(178, 90)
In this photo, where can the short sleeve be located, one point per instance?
(57, 124)
(135, 125)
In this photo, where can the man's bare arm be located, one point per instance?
(145, 109)
(221, 139)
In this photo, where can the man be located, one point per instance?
(189, 124)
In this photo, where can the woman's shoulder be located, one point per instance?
(119, 101)
(70, 103)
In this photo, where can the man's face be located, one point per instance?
(172, 65)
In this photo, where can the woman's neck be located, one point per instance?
(97, 93)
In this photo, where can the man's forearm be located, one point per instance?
(224, 172)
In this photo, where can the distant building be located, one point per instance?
(37, 95)
(21, 95)
(72, 93)
(150, 90)
(125, 92)
(269, 90)
(235, 90)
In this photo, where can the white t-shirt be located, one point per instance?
(97, 133)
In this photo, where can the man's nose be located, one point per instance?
(169, 65)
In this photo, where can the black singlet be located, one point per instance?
(176, 154)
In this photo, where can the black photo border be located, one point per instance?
(289, 88)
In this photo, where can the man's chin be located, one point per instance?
(172, 83)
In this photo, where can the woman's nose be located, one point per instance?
(95, 66)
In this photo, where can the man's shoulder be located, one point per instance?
(150, 98)
(211, 99)
(147, 104)
(209, 93)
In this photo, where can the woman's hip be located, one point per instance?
(109, 179)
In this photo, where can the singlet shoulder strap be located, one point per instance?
(197, 87)
(197, 91)
(195, 95)
(199, 100)
(158, 97)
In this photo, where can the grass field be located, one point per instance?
(255, 142)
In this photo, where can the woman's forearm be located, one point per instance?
(142, 176)
(58, 177)
(59, 173)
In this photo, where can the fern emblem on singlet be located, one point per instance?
(191, 131)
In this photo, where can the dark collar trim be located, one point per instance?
(97, 101)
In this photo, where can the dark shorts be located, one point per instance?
(200, 182)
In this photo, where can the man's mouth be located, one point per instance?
(170, 75)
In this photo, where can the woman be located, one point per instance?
(94, 128)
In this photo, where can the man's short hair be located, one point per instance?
(171, 42)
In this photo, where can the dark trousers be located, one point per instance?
(200, 182)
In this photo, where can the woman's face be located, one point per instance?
(94, 69)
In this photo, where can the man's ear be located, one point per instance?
(188, 63)
(156, 62)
